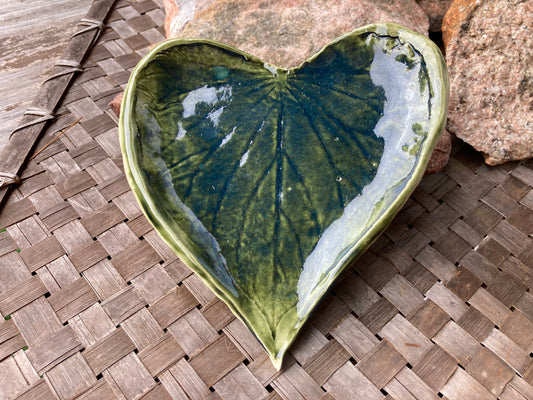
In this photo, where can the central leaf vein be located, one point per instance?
(279, 186)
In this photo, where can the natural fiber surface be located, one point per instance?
(95, 306)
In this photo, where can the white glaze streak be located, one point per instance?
(395, 168)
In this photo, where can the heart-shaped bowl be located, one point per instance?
(268, 182)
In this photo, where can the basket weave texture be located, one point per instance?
(96, 306)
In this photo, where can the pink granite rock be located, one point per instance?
(180, 12)
(457, 14)
(435, 10)
(490, 62)
(441, 154)
(285, 33)
(116, 103)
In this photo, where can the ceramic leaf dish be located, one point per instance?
(268, 182)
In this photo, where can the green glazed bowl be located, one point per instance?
(268, 182)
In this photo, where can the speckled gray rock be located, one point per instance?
(490, 61)
(285, 33)
(435, 10)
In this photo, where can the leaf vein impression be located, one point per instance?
(279, 186)
(306, 190)
(323, 147)
(214, 149)
(328, 88)
(247, 206)
(234, 170)
(363, 157)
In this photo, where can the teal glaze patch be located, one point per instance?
(267, 182)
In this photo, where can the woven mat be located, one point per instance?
(95, 305)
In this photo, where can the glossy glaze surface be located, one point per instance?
(267, 182)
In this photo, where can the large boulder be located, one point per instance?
(285, 33)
